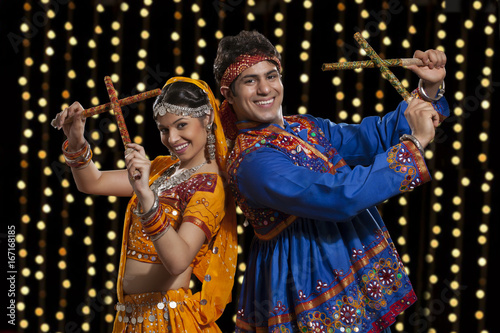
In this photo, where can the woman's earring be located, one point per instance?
(210, 143)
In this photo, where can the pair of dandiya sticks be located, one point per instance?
(115, 104)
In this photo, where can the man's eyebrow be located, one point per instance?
(255, 75)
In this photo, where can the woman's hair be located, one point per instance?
(182, 94)
(246, 42)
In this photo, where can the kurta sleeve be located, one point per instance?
(270, 179)
(358, 144)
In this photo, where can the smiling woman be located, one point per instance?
(180, 219)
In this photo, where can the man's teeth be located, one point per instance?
(181, 147)
(264, 102)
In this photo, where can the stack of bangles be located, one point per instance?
(78, 159)
(155, 222)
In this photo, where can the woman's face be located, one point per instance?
(185, 137)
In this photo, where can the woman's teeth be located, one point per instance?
(181, 147)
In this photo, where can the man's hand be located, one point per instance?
(423, 120)
(433, 72)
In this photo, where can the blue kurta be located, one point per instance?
(322, 259)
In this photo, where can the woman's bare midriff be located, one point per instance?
(141, 277)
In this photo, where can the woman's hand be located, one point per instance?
(74, 131)
(138, 164)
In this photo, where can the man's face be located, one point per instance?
(258, 94)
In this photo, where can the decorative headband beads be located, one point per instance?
(162, 108)
(242, 63)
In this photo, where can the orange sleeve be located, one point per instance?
(205, 209)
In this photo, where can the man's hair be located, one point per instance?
(246, 42)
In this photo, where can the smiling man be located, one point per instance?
(322, 259)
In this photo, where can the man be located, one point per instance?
(322, 259)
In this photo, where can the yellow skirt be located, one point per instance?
(171, 311)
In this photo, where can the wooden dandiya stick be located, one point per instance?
(400, 62)
(122, 127)
(386, 72)
(122, 102)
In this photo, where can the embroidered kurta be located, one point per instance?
(322, 259)
(200, 200)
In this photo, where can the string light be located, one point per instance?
(58, 225)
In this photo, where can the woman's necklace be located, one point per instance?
(169, 179)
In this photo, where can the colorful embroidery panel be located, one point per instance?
(305, 275)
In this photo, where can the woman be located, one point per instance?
(180, 219)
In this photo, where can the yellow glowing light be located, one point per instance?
(456, 216)
(200, 60)
(141, 65)
(402, 221)
(201, 23)
(87, 240)
(202, 43)
(68, 231)
(62, 265)
(179, 70)
(110, 251)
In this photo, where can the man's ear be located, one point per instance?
(227, 93)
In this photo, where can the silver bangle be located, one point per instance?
(151, 211)
(426, 97)
(415, 141)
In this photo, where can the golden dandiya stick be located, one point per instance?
(399, 62)
(386, 72)
(122, 127)
(107, 107)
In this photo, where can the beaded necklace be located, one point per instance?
(168, 180)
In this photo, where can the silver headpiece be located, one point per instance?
(162, 108)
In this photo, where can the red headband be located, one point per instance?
(242, 63)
